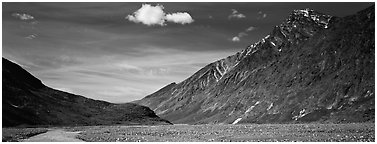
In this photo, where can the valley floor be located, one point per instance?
(360, 132)
(55, 135)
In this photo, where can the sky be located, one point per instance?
(121, 52)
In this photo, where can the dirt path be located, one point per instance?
(55, 135)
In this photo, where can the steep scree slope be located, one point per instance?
(311, 68)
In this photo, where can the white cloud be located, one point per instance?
(242, 34)
(155, 15)
(179, 17)
(236, 39)
(23, 16)
(264, 15)
(239, 36)
(32, 36)
(261, 15)
(121, 91)
(250, 29)
(148, 15)
(125, 65)
(235, 14)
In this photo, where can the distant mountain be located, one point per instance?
(312, 67)
(27, 101)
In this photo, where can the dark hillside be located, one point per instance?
(27, 101)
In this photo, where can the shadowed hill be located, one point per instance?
(27, 101)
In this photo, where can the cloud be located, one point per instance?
(235, 14)
(23, 16)
(32, 36)
(124, 65)
(261, 15)
(242, 34)
(250, 29)
(148, 15)
(155, 15)
(120, 91)
(239, 36)
(179, 17)
(236, 39)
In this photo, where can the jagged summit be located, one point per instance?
(309, 15)
(298, 27)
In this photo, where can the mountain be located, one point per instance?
(27, 101)
(312, 67)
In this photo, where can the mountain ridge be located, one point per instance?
(236, 58)
(265, 80)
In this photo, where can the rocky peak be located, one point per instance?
(308, 17)
(302, 24)
(298, 27)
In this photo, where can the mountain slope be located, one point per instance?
(27, 101)
(312, 67)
